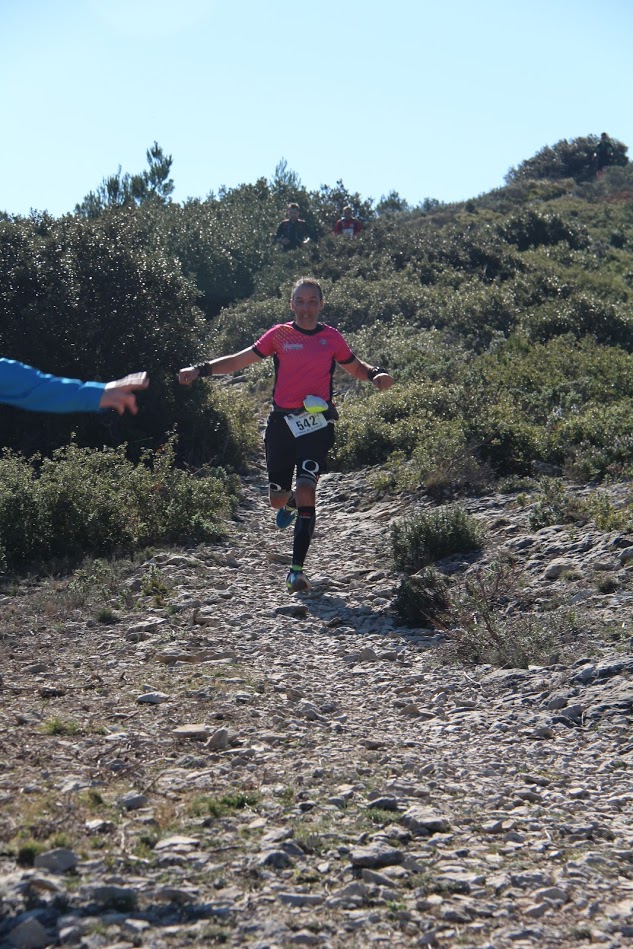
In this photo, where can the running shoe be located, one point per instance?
(297, 582)
(285, 517)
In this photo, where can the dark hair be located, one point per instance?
(306, 282)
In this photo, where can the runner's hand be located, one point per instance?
(188, 375)
(382, 381)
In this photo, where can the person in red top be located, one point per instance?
(300, 427)
(348, 225)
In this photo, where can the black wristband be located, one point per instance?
(204, 369)
(373, 372)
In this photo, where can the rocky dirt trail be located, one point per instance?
(220, 764)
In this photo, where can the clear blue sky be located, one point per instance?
(431, 99)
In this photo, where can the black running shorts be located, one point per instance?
(284, 453)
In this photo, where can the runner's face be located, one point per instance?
(306, 306)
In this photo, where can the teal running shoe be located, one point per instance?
(285, 517)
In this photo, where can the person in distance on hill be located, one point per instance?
(300, 427)
(603, 155)
(348, 225)
(293, 231)
(27, 388)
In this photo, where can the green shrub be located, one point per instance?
(531, 228)
(507, 322)
(82, 501)
(608, 516)
(60, 726)
(555, 503)
(217, 427)
(221, 806)
(402, 419)
(598, 440)
(423, 538)
(514, 642)
(479, 628)
(566, 159)
(508, 440)
(581, 316)
(421, 599)
(96, 299)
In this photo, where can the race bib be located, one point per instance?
(305, 423)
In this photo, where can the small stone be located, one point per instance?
(60, 860)
(177, 842)
(367, 655)
(194, 732)
(121, 898)
(132, 801)
(277, 859)
(152, 698)
(556, 568)
(99, 826)
(174, 894)
(300, 899)
(376, 856)
(384, 803)
(422, 821)
(29, 934)
(536, 910)
(219, 740)
(553, 894)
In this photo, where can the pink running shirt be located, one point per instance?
(304, 361)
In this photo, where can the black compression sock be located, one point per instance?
(304, 529)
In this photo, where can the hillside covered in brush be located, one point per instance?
(507, 321)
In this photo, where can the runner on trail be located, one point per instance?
(27, 388)
(300, 427)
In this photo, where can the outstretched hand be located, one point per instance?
(188, 375)
(119, 395)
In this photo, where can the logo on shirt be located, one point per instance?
(289, 346)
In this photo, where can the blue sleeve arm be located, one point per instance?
(27, 388)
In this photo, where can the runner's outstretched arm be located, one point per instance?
(378, 377)
(215, 367)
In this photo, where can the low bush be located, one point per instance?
(553, 504)
(419, 540)
(513, 642)
(402, 419)
(598, 441)
(556, 503)
(532, 228)
(487, 625)
(421, 599)
(83, 501)
(568, 158)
